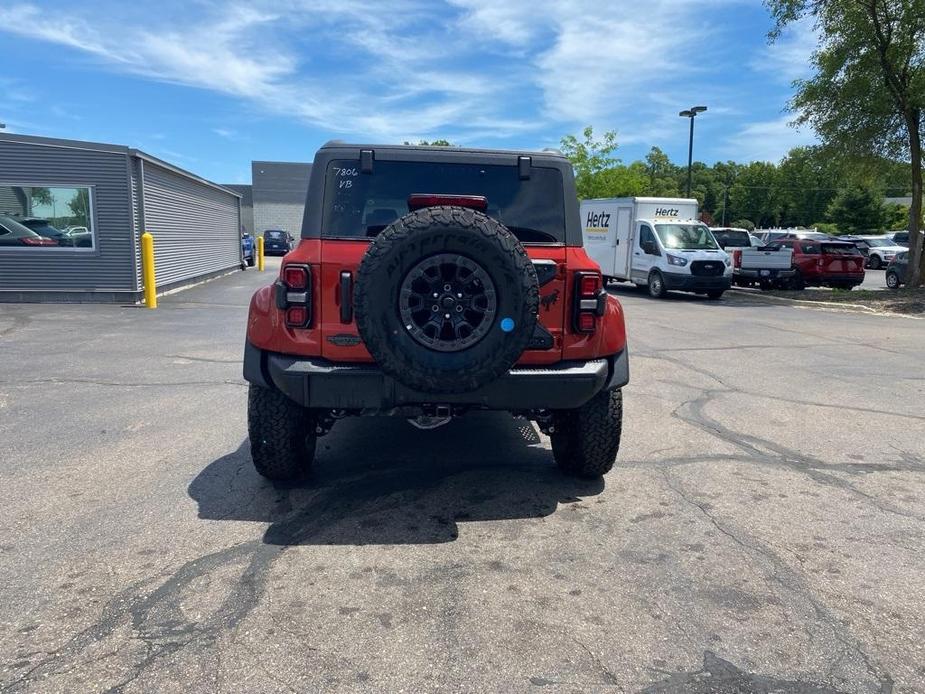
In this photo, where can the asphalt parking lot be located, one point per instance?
(764, 529)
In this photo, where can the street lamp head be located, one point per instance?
(686, 114)
(699, 109)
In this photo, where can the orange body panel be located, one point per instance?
(266, 327)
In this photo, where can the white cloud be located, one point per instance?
(788, 58)
(409, 69)
(766, 141)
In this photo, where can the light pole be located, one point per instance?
(691, 113)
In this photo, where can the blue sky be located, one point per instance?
(212, 85)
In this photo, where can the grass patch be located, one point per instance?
(911, 301)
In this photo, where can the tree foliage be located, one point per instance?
(799, 191)
(857, 209)
(867, 93)
(433, 143)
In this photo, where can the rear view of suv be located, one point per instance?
(430, 282)
(836, 264)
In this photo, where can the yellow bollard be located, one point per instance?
(147, 268)
(260, 253)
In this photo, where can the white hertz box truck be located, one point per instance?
(655, 242)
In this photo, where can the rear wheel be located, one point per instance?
(281, 433)
(251, 261)
(715, 294)
(656, 285)
(797, 282)
(875, 262)
(892, 280)
(585, 440)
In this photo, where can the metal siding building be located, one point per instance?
(195, 223)
(279, 192)
(247, 204)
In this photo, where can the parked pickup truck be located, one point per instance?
(754, 265)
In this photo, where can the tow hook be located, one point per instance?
(433, 417)
(426, 423)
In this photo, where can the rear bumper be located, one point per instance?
(319, 383)
(695, 283)
(842, 278)
(763, 274)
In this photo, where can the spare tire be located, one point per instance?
(446, 299)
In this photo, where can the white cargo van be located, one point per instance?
(655, 242)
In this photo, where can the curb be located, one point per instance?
(847, 308)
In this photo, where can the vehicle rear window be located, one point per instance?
(734, 239)
(274, 234)
(839, 249)
(809, 248)
(362, 205)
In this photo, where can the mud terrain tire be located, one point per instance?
(586, 440)
(281, 432)
(399, 345)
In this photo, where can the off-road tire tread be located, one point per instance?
(281, 434)
(436, 380)
(586, 440)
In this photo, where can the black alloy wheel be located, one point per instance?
(447, 302)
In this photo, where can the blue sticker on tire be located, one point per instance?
(507, 324)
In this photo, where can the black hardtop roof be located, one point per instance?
(547, 152)
(335, 149)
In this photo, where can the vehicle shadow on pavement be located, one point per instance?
(381, 481)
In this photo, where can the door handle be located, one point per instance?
(637, 253)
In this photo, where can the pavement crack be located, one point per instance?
(765, 452)
(606, 674)
(789, 579)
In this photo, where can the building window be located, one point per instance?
(45, 218)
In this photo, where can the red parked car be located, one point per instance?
(836, 264)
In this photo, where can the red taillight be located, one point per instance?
(417, 201)
(296, 316)
(296, 278)
(737, 258)
(586, 322)
(589, 302)
(39, 241)
(294, 295)
(588, 286)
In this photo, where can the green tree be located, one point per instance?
(857, 209)
(868, 91)
(80, 206)
(663, 175)
(40, 196)
(754, 194)
(432, 143)
(589, 158)
(807, 178)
